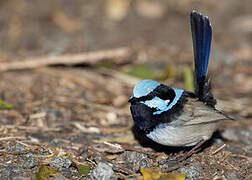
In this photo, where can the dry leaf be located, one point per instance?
(150, 174)
(44, 172)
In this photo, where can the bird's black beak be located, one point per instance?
(130, 99)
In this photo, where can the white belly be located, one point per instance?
(190, 135)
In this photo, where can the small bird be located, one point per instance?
(176, 117)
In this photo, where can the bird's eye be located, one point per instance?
(165, 93)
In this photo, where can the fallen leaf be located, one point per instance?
(83, 169)
(44, 172)
(150, 174)
(5, 105)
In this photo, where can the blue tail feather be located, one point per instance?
(202, 36)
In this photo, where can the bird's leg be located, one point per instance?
(193, 150)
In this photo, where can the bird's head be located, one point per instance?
(143, 89)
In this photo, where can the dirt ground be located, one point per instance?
(72, 120)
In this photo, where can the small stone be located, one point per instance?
(18, 148)
(29, 161)
(246, 136)
(103, 171)
(193, 172)
(233, 176)
(60, 163)
(98, 159)
(166, 163)
(238, 134)
(230, 134)
(137, 159)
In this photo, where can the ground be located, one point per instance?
(73, 121)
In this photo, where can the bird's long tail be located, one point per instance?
(202, 36)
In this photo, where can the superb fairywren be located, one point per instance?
(175, 117)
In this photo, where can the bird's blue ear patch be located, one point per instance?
(178, 93)
(144, 87)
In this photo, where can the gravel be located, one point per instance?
(16, 148)
(29, 161)
(103, 171)
(233, 176)
(60, 163)
(136, 160)
(193, 172)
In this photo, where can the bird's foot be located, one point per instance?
(194, 150)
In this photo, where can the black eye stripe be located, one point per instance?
(165, 93)
(162, 91)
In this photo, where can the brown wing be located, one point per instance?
(197, 112)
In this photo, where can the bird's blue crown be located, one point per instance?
(144, 87)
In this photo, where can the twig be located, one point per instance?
(232, 166)
(219, 149)
(30, 128)
(70, 59)
(10, 138)
(117, 146)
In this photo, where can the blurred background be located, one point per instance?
(33, 28)
(86, 102)
(159, 32)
